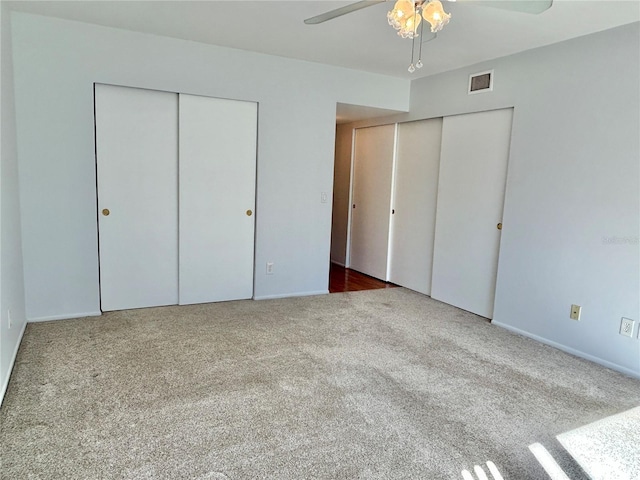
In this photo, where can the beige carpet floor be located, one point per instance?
(384, 384)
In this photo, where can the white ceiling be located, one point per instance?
(361, 40)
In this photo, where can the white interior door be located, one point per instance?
(137, 167)
(414, 204)
(473, 171)
(217, 198)
(371, 199)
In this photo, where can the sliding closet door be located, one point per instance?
(217, 198)
(371, 202)
(136, 154)
(414, 204)
(473, 172)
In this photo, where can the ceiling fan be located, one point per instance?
(406, 15)
(524, 6)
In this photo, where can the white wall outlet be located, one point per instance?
(269, 268)
(576, 310)
(9, 321)
(626, 327)
(323, 197)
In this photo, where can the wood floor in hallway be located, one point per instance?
(346, 280)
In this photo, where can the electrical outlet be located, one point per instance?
(9, 321)
(576, 310)
(269, 268)
(626, 327)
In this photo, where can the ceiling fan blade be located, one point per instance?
(523, 6)
(338, 12)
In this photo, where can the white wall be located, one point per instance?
(572, 206)
(574, 183)
(11, 277)
(56, 63)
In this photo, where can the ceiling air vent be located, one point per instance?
(481, 82)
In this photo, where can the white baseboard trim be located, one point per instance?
(5, 384)
(64, 317)
(338, 263)
(572, 351)
(289, 295)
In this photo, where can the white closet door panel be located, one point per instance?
(137, 162)
(415, 195)
(372, 181)
(473, 170)
(217, 188)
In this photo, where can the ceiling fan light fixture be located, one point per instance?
(400, 12)
(434, 13)
(404, 17)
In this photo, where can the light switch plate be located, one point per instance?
(576, 310)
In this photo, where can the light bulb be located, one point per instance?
(412, 23)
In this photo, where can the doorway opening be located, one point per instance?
(341, 277)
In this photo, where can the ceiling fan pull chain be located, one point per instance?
(412, 67)
(419, 64)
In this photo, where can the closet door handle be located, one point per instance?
(249, 213)
(105, 212)
(499, 226)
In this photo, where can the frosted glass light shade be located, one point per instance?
(410, 27)
(404, 18)
(433, 13)
(402, 10)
